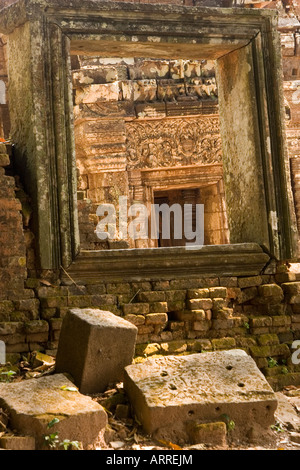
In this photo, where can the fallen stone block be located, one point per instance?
(94, 347)
(32, 404)
(17, 443)
(169, 393)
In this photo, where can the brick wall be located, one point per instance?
(19, 308)
(260, 314)
(12, 240)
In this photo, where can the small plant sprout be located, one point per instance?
(230, 424)
(272, 362)
(70, 445)
(52, 440)
(277, 427)
(7, 376)
(52, 423)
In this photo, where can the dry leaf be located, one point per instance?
(46, 283)
(170, 445)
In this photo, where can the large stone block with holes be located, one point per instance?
(94, 347)
(169, 394)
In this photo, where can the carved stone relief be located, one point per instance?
(173, 142)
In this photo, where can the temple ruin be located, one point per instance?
(172, 102)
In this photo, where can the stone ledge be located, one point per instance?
(246, 259)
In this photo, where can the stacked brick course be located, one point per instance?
(260, 314)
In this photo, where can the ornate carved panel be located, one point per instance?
(173, 142)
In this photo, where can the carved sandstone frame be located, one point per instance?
(42, 35)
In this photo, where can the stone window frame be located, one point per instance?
(41, 36)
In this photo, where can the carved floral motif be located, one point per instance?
(173, 142)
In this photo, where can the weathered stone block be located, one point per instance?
(4, 160)
(37, 338)
(54, 302)
(174, 347)
(200, 304)
(220, 383)
(257, 322)
(218, 292)
(176, 325)
(156, 319)
(145, 329)
(158, 307)
(176, 305)
(135, 319)
(199, 345)
(291, 288)
(52, 291)
(281, 321)
(294, 299)
(274, 309)
(270, 350)
(223, 313)
(211, 434)
(161, 285)
(47, 313)
(11, 328)
(27, 304)
(96, 289)
(55, 324)
(37, 326)
(136, 309)
(32, 404)
(223, 343)
(197, 315)
(270, 290)
(175, 295)
(218, 304)
(285, 277)
(223, 324)
(245, 342)
(17, 442)
(201, 325)
(267, 340)
(94, 348)
(198, 293)
(152, 296)
(6, 307)
(121, 288)
(247, 294)
(229, 281)
(252, 281)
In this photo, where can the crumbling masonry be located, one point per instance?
(177, 113)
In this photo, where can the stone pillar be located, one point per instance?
(137, 192)
(41, 127)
